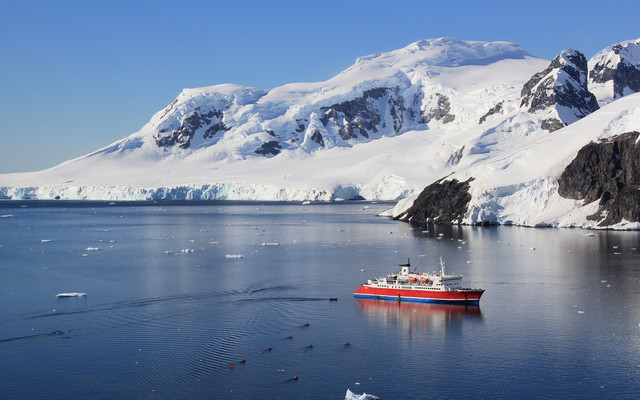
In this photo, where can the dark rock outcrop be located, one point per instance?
(497, 109)
(183, 135)
(317, 137)
(443, 202)
(618, 65)
(608, 171)
(272, 147)
(563, 83)
(364, 115)
(441, 110)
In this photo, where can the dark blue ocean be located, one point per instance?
(178, 293)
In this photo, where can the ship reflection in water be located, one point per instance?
(423, 317)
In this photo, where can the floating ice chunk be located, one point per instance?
(186, 251)
(306, 203)
(441, 234)
(353, 396)
(271, 244)
(6, 216)
(92, 249)
(234, 256)
(591, 234)
(532, 248)
(580, 312)
(45, 240)
(71, 294)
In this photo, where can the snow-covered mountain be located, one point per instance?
(383, 129)
(615, 71)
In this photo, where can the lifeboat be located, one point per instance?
(412, 279)
(424, 279)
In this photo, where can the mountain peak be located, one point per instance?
(615, 71)
(560, 91)
(449, 52)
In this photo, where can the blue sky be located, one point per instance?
(78, 75)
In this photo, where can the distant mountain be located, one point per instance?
(615, 71)
(383, 129)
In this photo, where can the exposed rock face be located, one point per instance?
(561, 85)
(272, 147)
(441, 202)
(608, 171)
(317, 137)
(183, 134)
(439, 108)
(365, 115)
(497, 109)
(616, 70)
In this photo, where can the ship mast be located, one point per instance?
(441, 267)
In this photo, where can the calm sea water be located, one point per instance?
(177, 293)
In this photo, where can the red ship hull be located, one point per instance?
(468, 296)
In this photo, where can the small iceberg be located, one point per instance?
(271, 244)
(353, 396)
(71, 294)
(46, 240)
(234, 256)
(92, 249)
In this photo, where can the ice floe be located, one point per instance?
(71, 294)
(353, 396)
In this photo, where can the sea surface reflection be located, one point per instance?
(180, 293)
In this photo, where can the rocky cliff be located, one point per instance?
(442, 202)
(607, 171)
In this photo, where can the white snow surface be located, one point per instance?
(515, 164)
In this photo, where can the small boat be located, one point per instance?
(405, 285)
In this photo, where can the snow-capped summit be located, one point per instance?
(446, 52)
(560, 92)
(615, 71)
